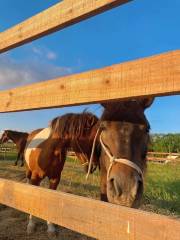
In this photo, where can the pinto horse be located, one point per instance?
(119, 140)
(46, 150)
(19, 138)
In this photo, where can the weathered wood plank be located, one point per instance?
(57, 17)
(152, 76)
(164, 153)
(157, 159)
(94, 218)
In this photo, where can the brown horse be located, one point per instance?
(19, 138)
(124, 140)
(121, 138)
(46, 149)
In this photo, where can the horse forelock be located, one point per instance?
(125, 111)
(73, 125)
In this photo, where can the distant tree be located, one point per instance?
(165, 143)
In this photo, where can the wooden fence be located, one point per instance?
(153, 76)
(163, 157)
(6, 150)
(159, 157)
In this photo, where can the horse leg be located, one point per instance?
(22, 159)
(28, 175)
(16, 162)
(33, 179)
(53, 183)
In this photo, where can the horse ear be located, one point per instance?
(109, 104)
(146, 102)
(105, 104)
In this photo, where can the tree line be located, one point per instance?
(165, 143)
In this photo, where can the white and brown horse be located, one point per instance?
(19, 139)
(120, 140)
(47, 148)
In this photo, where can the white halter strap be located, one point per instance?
(92, 153)
(119, 160)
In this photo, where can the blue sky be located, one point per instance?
(138, 29)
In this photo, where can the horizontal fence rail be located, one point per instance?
(57, 17)
(164, 153)
(91, 217)
(163, 157)
(159, 159)
(7, 149)
(151, 76)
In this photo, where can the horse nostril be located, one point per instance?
(139, 188)
(140, 185)
(139, 182)
(111, 180)
(116, 187)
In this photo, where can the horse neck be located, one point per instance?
(94, 131)
(82, 144)
(15, 137)
(92, 134)
(93, 137)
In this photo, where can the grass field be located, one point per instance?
(162, 195)
(162, 184)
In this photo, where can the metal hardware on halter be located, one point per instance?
(125, 161)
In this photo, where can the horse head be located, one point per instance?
(124, 139)
(5, 137)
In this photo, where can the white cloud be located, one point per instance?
(36, 50)
(16, 73)
(51, 55)
(44, 52)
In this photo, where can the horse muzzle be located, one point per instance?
(125, 192)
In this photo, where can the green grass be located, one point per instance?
(8, 156)
(162, 184)
(162, 188)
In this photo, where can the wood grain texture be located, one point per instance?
(57, 17)
(158, 159)
(153, 76)
(91, 217)
(164, 153)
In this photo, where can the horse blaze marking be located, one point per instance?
(35, 142)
